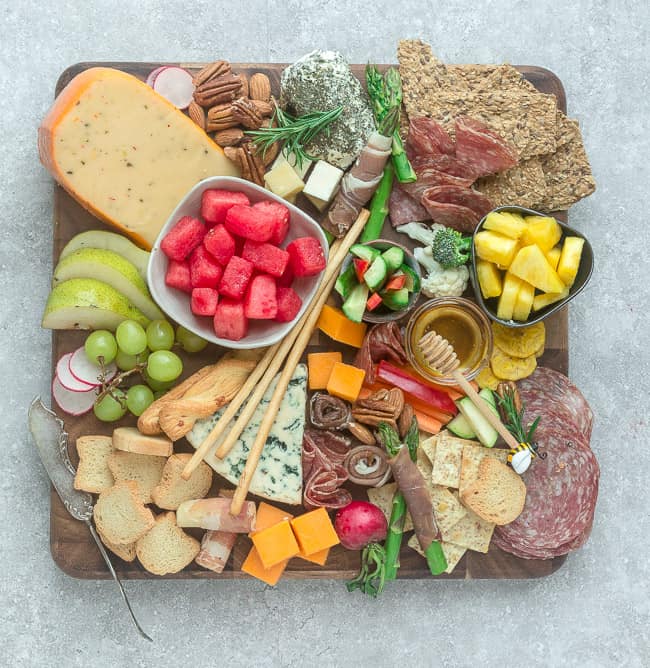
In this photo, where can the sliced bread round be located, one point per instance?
(93, 474)
(166, 548)
(146, 470)
(120, 515)
(172, 490)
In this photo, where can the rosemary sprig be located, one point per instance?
(514, 419)
(295, 132)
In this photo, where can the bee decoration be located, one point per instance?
(521, 457)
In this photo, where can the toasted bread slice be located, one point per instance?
(172, 490)
(125, 552)
(93, 474)
(166, 548)
(498, 493)
(146, 470)
(120, 515)
(129, 439)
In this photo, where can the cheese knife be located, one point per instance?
(52, 444)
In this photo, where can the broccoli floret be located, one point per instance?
(450, 248)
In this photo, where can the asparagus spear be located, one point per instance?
(386, 97)
(379, 205)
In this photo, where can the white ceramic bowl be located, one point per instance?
(176, 304)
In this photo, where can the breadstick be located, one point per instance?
(295, 354)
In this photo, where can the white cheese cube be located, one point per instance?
(283, 181)
(322, 184)
(292, 160)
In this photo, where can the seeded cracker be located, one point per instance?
(486, 77)
(524, 185)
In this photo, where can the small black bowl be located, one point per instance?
(582, 278)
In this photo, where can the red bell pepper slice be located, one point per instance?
(407, 383)
(373, 301)
(360, 267)
(396, 282)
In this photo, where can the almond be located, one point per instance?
(259, 87)
(229, 137)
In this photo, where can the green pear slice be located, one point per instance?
(112, 242)
(86, 303)
(111, 268)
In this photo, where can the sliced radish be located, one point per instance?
(74, 403)
(176, 85)
(68, 380)
(87, 372)
(151, 79)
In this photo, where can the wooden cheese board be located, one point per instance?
(71, 544)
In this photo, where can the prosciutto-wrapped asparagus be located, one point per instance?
(358, 185)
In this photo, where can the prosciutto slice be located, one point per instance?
(485, 150)
(323, 454)
(456, 206)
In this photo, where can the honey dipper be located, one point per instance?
(440, 355)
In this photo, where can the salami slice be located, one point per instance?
(402, 208)
(426, 137)
(561, 493)
(456, 206)
(485, 150)
(448, 164)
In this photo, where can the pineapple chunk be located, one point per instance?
(511, 286)
(489, 278)
(553, 256)
(524, 302)
(543, 231)
(531, 265)
(495, 248)
(548, 298)
(567, 267)
(511, 225)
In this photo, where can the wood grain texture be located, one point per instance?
(71, 544)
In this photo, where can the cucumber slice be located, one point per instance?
(487, 394)
(346, 282)
(396, 300)
(484, 431)
(355, 305)
(412, 279)
(460, 426)
(376, 274)
(365, 252)
(394, 257)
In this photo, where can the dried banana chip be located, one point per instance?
(540, 351)
(511, 368)
(519, 341)
(487, 379)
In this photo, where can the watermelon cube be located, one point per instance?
(289, 304)
(229, 320)
(307, 257)
(261, 302)
(204, 301)
(280, 215)
(250, 223)
(220, 244)
(215, 204)
(205, 271)
(287, 277)
(266, 257)
(235, 279)
(183, 238)
(178, 276)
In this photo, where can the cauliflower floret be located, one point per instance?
(441, 282)
(421, 232)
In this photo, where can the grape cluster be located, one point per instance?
(148, 351)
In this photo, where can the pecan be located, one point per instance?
(254, 166)
(245, 113)
(197, 114)
(229, 137)
(218, 90)
(232, 153)
(216, 69)
(260, 87)
(263, 108)
(220, 118)
(381, 406)
(361, 433)
(245, 86)
(404, 420)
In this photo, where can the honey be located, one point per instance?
(462, 323)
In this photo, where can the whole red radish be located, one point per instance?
(359, 524)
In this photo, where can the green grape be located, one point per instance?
(126, 362)
(189, 342)
(101, 343)
(164, 365)
(138, 399)
(111, 407)
(158, 395)
(131, 337)
(156, 385)
(160, 335)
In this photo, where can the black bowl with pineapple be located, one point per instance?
(527, 265)
(379, 282)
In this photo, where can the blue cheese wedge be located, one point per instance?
(279, 473)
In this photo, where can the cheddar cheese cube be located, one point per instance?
(345, 381)
(275, 544)
(253, 566)
(314, 531)
(319, 557)
(320, 367)
(336, 325)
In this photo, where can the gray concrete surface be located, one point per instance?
(595, 610)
